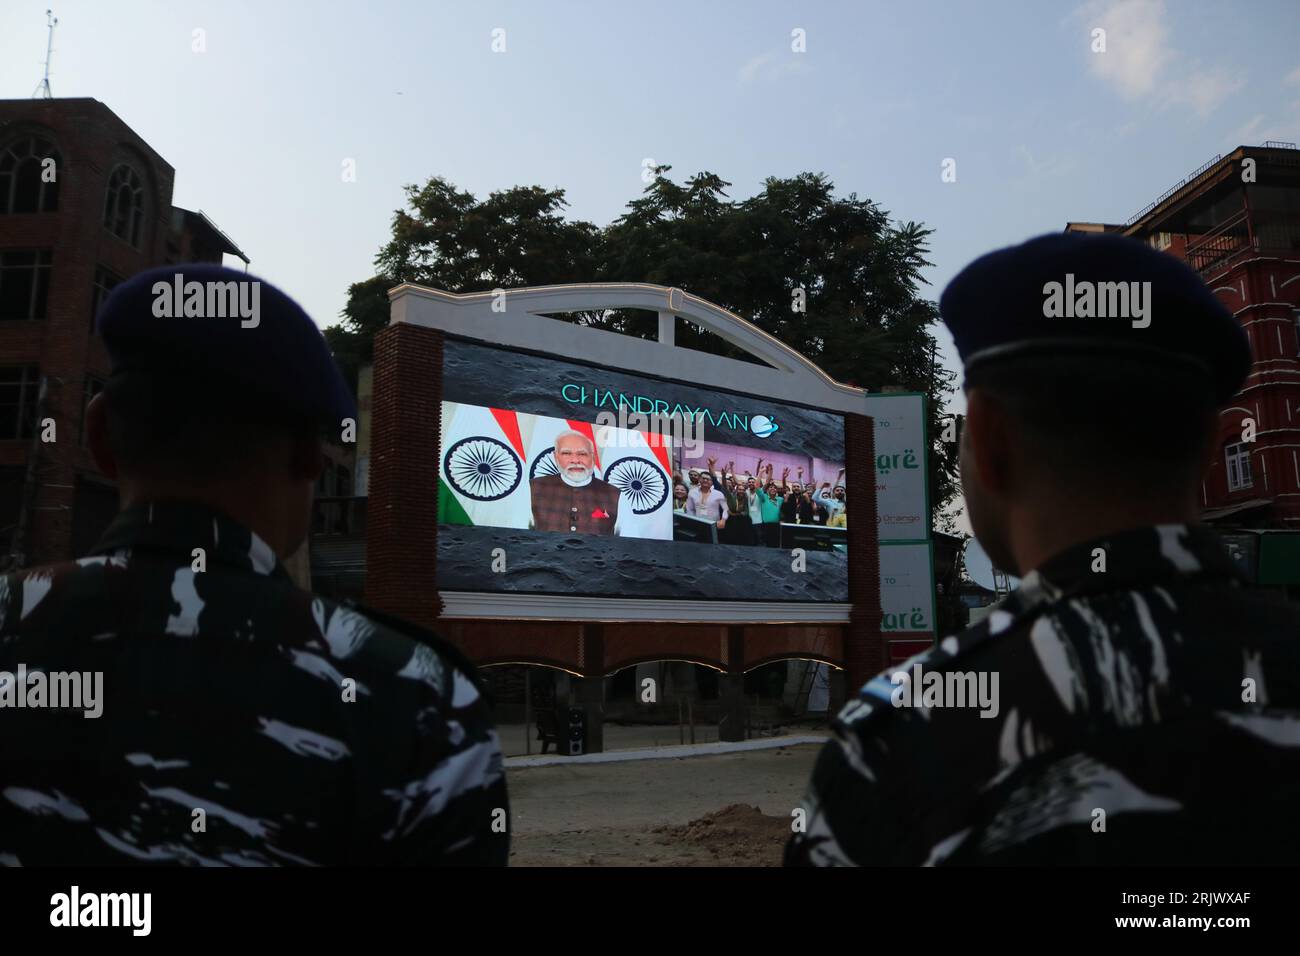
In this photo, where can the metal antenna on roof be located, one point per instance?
(43, 88)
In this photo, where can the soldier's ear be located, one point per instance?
(1209, 446)
(306, 457)
(101, 450)
(988, 441)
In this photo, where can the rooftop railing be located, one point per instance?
(1190, 178)
(1216, 247)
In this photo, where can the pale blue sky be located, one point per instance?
(1043, 130)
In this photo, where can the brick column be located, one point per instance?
(838, 696)
(731, 687)
(402, 511)
(865, 650)
(591, 686)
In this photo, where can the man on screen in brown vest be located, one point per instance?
(574, 499)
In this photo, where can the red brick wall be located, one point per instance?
(628, 644)
(1262, 294)
(766, 643)
(560, 644)
(402, 513)
(553, 643)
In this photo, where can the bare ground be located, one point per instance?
(723, 810)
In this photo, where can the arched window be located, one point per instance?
(124, 204)
(29, 170)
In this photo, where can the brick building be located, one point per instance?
(1236, 221)
(84, 204)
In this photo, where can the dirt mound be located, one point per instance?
(736, 835)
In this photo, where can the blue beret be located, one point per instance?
(231, 326)
(1090, 293)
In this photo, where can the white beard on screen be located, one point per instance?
(576, 477)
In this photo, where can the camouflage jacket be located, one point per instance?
(242, 721)
(1139, 706)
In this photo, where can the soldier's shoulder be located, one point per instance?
(876, 710)
(62, 569)
(367, 638)
(44, 588)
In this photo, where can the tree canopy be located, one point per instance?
(863, 318)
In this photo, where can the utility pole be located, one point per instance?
(43, 87)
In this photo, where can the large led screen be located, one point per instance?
(559, 477)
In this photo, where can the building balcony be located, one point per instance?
(1242, 237)
(1234, 207)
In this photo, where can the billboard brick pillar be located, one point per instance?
(591, 686)
(402, 511)
(838, 695)
(731, 687)
(865, 650)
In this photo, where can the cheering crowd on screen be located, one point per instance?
(749, 509)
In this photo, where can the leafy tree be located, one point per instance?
(352, 340)
(449, 240)
(863, 318)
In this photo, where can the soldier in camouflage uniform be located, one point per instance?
(244, 721)
(1146, 707)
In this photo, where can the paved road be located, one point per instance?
(605, 814)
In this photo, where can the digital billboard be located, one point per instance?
(558, 477)
(903, 513)
(902, 508)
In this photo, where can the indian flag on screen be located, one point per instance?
(489, 456)
(637, 463)
(482, 478)
(542, 432)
